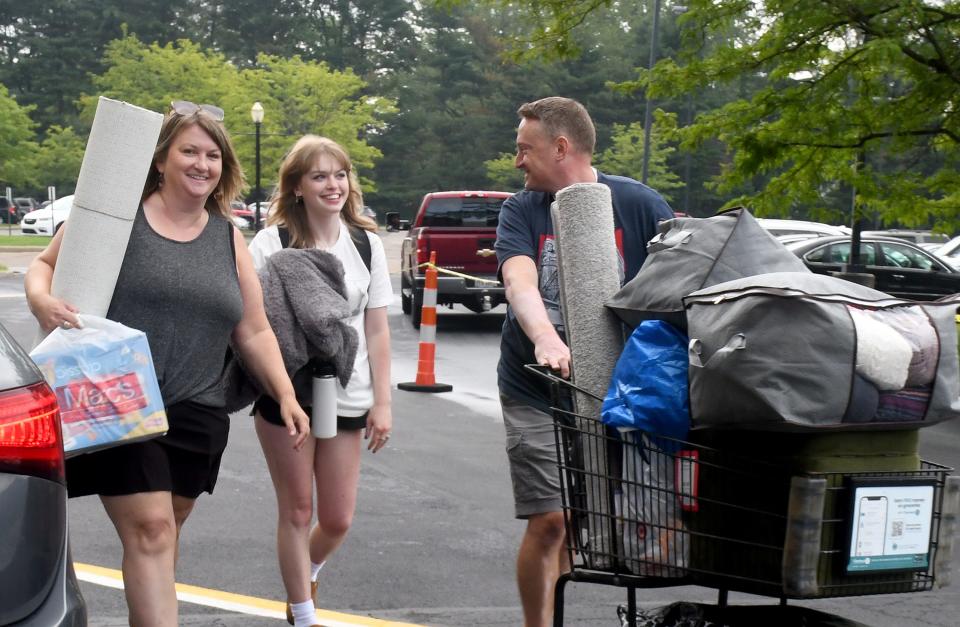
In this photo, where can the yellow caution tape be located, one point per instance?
(459, 274)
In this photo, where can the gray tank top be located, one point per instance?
(186, 297)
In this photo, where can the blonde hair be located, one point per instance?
(231, 175)
(298, 162)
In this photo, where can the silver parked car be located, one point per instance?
(38, 587)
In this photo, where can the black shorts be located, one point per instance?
(185, 461)
(270, 411)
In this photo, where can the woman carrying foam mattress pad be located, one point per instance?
(188, 282)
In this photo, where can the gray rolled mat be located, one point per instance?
(114, 169)
(801, 544)
(589, 267)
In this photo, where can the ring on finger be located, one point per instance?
(65, 324)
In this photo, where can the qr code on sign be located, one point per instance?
(896, 528)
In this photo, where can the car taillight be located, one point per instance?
(30, 439)
(423, 250)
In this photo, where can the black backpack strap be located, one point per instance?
(362, 241)
(284, 236)
(359, 236)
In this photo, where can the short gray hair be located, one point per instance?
(563, 116)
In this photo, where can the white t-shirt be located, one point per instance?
(365, 290)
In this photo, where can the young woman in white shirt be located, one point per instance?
(318, 200)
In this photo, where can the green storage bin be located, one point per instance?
(744, 488)
(831, 451)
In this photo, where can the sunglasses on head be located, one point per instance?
(185, 107)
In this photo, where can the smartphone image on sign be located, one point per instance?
(871, 526)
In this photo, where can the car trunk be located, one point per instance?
(462, 231)
(461, 249)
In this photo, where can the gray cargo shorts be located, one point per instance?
(532, 451)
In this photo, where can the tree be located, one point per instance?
(50, 48)
(370, 37)
(502, 173)
(298, 97)
(547, 29)
(57, 161)
(151, 76)
(854, 97)
(17, 144)
(457, 104)
(857, 94)
(625, 154)
(301, 97)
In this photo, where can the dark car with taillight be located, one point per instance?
(900, 268)
(38, 587)
(8, 211)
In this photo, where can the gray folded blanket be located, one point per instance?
(305, 299)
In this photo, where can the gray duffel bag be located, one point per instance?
(693, 253)
(780, 351)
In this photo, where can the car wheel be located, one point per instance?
(417, 308)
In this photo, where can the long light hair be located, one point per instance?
(286, 211)
(231, 175)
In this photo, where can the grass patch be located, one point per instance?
(3, 268)
(23, 240)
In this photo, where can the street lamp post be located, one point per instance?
(256, 113)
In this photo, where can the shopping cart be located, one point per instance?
(646, 511)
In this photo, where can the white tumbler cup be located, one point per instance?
(323, 420)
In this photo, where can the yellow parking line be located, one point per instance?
(232, 602)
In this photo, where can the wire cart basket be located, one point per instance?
(646, 511)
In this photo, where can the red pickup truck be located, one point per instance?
(461, 228)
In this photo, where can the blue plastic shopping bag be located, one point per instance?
(648, 390)
(106, 386)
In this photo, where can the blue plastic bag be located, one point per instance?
(648, 390)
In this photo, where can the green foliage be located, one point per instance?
(370, 37)
(423, 98)
(804, 105)
(845, 82)
(57, 161)
(50, 48)
(298, 97)
(457, 106)
(625, 155)
(503, 174)
(21, 240)
(151, 76)
(301, 97)
(17, 144)
(547, 28)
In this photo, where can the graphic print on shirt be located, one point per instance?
(550, 280)
(549, 271)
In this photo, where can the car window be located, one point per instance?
(471, 211)
(839, 253)
(900, 256)
(817, 255)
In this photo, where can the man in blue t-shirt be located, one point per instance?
(555, 141)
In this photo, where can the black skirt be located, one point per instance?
(185, 461)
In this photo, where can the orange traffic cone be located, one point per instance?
(426, 380)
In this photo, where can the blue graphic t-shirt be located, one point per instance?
(525, 228)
